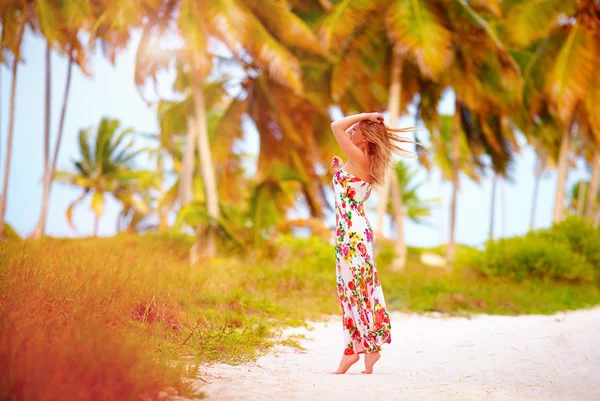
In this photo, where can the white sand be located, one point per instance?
(432, 357)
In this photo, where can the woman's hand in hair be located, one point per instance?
(374, 117)
(336, 163)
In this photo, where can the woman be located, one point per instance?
(369, 145)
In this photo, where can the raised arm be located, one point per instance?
(339, 128)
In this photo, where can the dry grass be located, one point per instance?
(126, 317)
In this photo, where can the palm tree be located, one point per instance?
(538, 170)
(225, 128)
(145, 203)
(14, 18)
(257, 34)
(566, 45)
(484, 78)
(408, 205)
(105, 168)
(584, 195)
(60, 27)
(259, 213)
(594, 186)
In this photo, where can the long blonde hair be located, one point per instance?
(382, 143)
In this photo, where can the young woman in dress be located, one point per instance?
(369, 145)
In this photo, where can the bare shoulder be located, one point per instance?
(361, 172)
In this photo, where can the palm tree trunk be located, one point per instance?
(162, 210)
(11, 129)
(393, 110)
(503, 215)
(163, 219)
(563, 158)
(0, 118)
(96, 225)
(384, 193)
(456, 130)
(187, 173)
(581, 197)
(399, 261)
(47, 109)
(206, 164)
(39, 229)
(493, 208)
(536, 190)
(594, 185)
(41, 225)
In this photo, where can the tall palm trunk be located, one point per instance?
(563, 158)
(0, 118)
(384, 193)
(399, 262)
(187, 173)
(39, 229)
(47, 110)
(503, 215)
(11, 129)
(594, 186)
(49, 176)
(162, 209)
(581, 197)
(456, 130)
(536, 190)
(163, 220)
(493, 208)
(394, 103)
(207, 168)
(397, 202)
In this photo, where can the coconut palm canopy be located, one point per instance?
(522, 75)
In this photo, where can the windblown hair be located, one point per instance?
(382, 143)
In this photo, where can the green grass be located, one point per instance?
(112, 318)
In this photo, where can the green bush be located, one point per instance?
(534, 257)
(579, 234)
(10, 233)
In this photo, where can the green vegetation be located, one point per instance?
(580, 235)
(568, 251)
(95, 305)
(128, 308)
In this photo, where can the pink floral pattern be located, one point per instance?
(366, 323)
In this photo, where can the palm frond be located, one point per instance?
(172, 118)
(195, 34)
(421, 31)
(71, 207)
(98, 204)
(236, 26)
(84, 137)
(530, 20)
(361, 58)
(593, 102)
(566, 88)
(344, 19)
(286, 26)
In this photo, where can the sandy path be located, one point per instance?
(530, 357)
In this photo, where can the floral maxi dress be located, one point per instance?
(366, 323)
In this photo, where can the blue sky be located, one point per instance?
(111, 92)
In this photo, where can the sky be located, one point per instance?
(111, 92)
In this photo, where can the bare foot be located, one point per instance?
(345, 363)
(370, 359)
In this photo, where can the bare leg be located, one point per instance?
(345, 363)
(370, 359)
